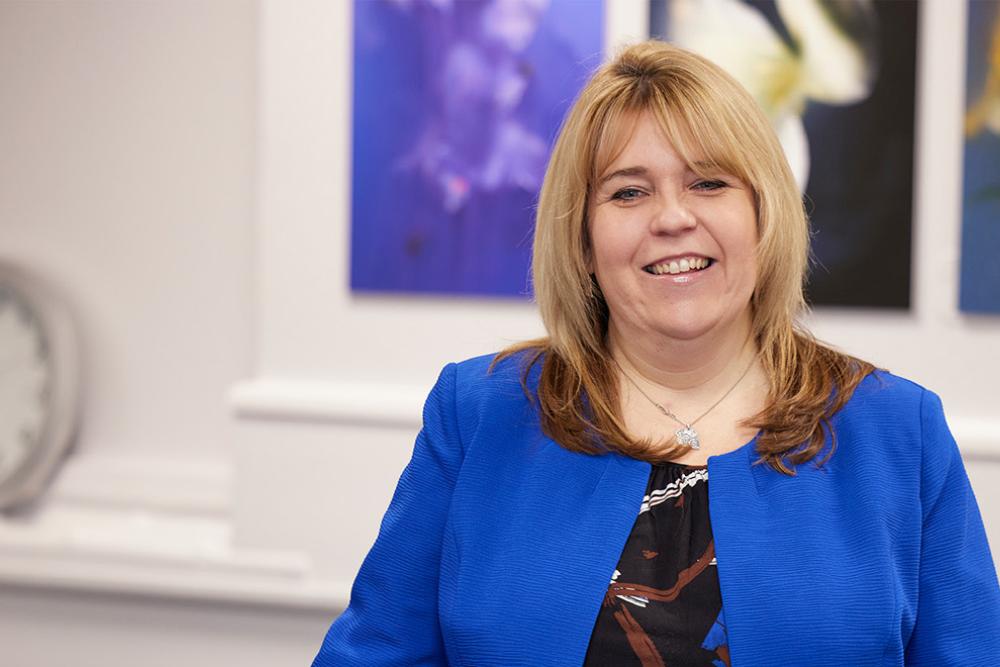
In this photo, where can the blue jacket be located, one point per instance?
(499, 544)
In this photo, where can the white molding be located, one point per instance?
(977, 438)
(152, 527)
(393, 405)
(144, 553)
(158, 484)
(388, 405)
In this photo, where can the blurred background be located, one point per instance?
(252, 232)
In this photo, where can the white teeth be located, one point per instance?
(682, 266)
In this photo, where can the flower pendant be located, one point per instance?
(688, 436)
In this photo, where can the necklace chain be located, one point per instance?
(686, 435)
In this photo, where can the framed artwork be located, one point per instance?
(979, 290)
(456, 106)
(838, 82)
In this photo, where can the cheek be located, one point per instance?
(750, 272)
(743, 242)
(600, 251)
(611, 247)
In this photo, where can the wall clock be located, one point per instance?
(39, 384)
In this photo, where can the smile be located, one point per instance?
(684, 265)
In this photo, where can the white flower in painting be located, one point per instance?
(831, 59)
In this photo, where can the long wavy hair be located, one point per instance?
(707, 116)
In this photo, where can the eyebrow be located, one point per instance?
(627, 171)
(642, 171)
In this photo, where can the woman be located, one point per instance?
(556, 509)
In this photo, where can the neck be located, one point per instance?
(696, 366)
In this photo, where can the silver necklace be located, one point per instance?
(686, 435)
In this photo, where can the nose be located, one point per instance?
(672, 214)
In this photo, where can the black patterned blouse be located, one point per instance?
(663, 606)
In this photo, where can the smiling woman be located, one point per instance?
(556, 510)
(651, 226)
(665, 158)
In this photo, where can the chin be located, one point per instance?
(686, 331)
(688, 326)
(685, 334)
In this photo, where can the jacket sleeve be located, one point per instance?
(392, 618)
(958, 600)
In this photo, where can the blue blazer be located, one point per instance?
(499, 544)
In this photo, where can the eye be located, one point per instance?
(710, 185)
(627, 194)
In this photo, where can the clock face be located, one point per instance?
(25, 372)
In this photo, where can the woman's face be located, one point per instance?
(673, 253)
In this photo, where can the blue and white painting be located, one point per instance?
(456, 106)
(980, 273)
(838, 81)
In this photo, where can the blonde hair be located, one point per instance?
(707, 116)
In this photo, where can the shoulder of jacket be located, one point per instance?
(888, 394)
(487, 401)
(886, 421)
(481, 381)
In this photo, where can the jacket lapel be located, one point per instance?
(592, 543)
(536, 562)
(800, 563)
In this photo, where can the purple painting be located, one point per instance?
(456, 106)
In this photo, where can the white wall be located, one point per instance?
(181, 170)
(126, 175)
